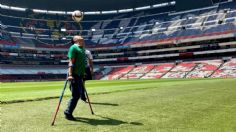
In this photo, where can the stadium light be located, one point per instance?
(172, 3)
(56, 12)
(92, 13)
(69, 12)
(142, 8)
(160, 5)
(4, 6)
(109, 12)
(17, 8)
(39, 11)
(93, 29)
(12, 7)
(63, 29)
(125, 10)
(121, 27)
(63, 38)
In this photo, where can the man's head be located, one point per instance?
(78, 40)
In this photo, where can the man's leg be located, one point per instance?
(82, 91)
(88, 74)
(75, 90)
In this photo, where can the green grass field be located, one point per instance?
(169, 105)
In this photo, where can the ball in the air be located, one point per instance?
(77, 16)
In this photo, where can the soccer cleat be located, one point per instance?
(69, 116)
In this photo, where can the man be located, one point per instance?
(89, 65)
(76, 72)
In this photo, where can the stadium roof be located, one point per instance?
(99, 5)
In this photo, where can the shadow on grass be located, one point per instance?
(104, 121)
(108, 104)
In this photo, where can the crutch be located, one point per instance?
(90, 106)
(58, 106)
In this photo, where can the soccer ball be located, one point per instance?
(77, 16)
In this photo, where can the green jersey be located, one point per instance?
(77, 53)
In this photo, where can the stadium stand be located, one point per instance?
(227, 70)
(158, 71)
(180, 71)
(152, 27)
(154, 39)
(194, 69)
(138, 71)
(204, 69)
(117, 73)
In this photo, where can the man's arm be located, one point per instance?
(90, 61)
(70, 69)
(91, 66)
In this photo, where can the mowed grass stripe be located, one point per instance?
(13, 92)
(94, 83)
(45, 91)
(91, 83)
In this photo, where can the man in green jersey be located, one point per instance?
(76, 74)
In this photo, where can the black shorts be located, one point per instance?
(88, 73)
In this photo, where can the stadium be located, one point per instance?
(158, 65)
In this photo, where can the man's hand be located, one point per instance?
(70, 78)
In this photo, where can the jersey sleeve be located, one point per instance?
(71, 52)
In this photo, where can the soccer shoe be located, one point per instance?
(69, 116)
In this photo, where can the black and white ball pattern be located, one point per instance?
(77, 16)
